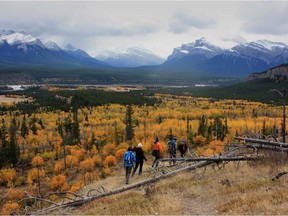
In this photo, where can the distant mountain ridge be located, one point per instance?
(239, 61)
(22, 49)
(200, 49)
(193, 62)
(133, 57)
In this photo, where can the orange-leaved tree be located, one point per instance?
(38, 163)
(8, 176)
(59, 183)
(10, 208)
(120, 154)
(86, 167)
(109, 161)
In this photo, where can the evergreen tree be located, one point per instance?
(75, 129)
(226, 126)
(203, 126)
(128, 123)
(3, 144)
(13, 150)
(190, 137)
(93, 140)
(117, 139)
(59, 124)
(264, 128)
(33, 125)
(170, 135)
(24, 128)
(218, 128)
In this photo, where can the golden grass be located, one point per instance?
(10, 100)
(238, 188)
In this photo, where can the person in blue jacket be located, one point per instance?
(129, 160)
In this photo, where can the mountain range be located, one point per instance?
(19, 49)
(132, 57)
(238, 61)
(196, 60)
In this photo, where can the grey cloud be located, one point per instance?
(266, 18)
(76, 19)
(181, 23)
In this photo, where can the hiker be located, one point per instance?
(140, 157)
(157, 151)
(172, 144)
(129, 159)
(183, 148)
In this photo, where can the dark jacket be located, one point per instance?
(139, 153)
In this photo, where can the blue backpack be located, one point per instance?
(127, 158)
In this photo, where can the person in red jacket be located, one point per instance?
(157, 151)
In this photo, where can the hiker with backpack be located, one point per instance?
(129, 159)
(140, 157)
(183, 148)
(172, 145)
(156, 152)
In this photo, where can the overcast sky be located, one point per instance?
(159, 26)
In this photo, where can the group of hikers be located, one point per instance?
(130, 159)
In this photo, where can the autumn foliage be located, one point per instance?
(58, 183)
(10, 208)
(67, 150)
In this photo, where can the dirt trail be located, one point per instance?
(197, 206)
(192, 205)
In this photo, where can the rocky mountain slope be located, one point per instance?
(279, 73)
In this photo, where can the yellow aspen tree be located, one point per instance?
(58, 183)
(10, 208)
(120, 154)
(8, 176)
(109, 161)
(38, 163)
(59, 167)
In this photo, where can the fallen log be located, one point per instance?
(216, 159)
(279, 175)
(270, 148)
(261, 141)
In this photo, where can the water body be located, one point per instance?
(23, 87)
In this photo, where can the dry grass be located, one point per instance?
(238, 188)
(11, 100)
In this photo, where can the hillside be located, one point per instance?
(206, 192)
(73, 138)
(275, 74)
(244, 188)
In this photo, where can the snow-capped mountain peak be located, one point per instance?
(20, 48)
(17, 38)
(270, 44)
(131, 57)
(200, 47)
(51, 45)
